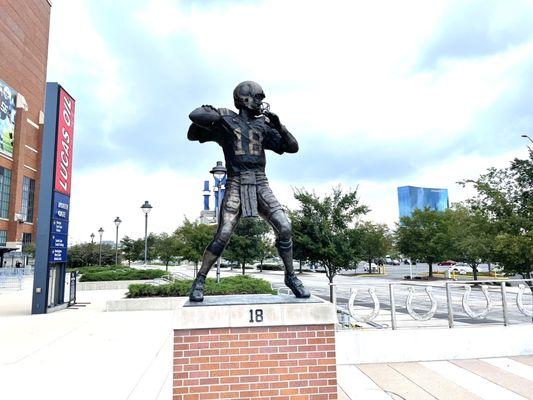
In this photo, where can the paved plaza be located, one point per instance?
(91, 353)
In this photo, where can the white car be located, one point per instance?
(460, 268)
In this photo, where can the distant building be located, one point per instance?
(207, 216)
(412, 197)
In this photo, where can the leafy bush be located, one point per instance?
(119, 274)
(270, 267)
(231, 285)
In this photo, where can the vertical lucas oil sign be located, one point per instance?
(54, 200)
(62, 179)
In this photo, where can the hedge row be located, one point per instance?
(121, 274)
(92, 269)
(231, 285)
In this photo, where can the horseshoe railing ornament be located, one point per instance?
(482, 314)
(370, 317)
(519, 302)
(283, 291)
(413, 313)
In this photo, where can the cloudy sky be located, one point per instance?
(379, 94)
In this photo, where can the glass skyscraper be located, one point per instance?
(412, 197)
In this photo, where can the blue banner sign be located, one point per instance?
(60, 227)
(61, 206)
(58, 255)
(58, 241)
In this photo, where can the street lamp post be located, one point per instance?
(528, 137)
(117, 222)
(92, 246)
(219, 173)
(101, 232)
(146, 207)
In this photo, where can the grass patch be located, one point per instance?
(231, 285)
(96, 274)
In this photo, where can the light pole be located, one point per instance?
(528, 137)
(101, 232)
(146, 207)
(219, 173)
(117, 222)
(92, 238)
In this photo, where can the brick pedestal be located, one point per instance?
(266, 354)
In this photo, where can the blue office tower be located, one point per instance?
(412, 197)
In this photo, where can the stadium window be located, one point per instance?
(5, 188)
(3, 238)
(26, 238)
(28, 196)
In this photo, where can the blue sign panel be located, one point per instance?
(60, 227)
(61, 206)
(58, 255)
(58, 241)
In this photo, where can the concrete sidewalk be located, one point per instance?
(87, 353)
(83, 352)
(494, 378)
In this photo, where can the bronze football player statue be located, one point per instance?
(244, 137)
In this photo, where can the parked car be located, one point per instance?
(460, 268)
(449, 262)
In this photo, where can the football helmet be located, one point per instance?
(249, 95)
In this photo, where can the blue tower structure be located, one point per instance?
(207, 194)
(222, 182)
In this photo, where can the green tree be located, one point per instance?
(266, 250)
(424, 236)
(505, 197)
(192, 239)
(299, 239)
(246, 243)
(323, 229)
(131, 250)
(166, 248)
(471, 236)
(373, 241)
(85, 254)
(29, 249)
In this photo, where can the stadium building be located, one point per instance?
(411, 198)
(24, 30)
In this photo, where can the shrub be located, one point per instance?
(119, 274)
(94, 268)
(231, 285)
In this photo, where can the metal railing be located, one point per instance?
(13, 278)
(409, 304)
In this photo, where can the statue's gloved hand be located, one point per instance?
(274, 119)
(209, 107)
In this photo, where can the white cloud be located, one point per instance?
(341, 70)
(345, 68)
(78, 55)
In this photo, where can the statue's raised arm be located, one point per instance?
(206, 116)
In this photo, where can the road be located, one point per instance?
(319, 286)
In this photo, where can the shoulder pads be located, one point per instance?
(226, 112)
